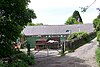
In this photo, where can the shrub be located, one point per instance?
(6, 50)
(72, 36)
(92, 35)
(84, 35)
(18, 60)
(18, 63)
(2, 64)
(76, 40)
(98, 56)
(98, 36)
(28, 59)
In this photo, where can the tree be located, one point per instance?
(74, 19)
(77, 16)
(14, 16)
(70, 21)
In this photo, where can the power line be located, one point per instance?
(83, 9)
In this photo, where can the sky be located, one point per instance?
(56, 12)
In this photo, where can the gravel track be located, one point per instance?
(82, 57)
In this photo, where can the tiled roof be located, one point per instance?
(57, 29)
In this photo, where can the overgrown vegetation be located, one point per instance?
(22, 60)
(98, 56)
(77, 35)
(18, 60)
(3, 64)
(96, 23)
(98, 37)
(76, 40)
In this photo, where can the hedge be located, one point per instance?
(75, 43)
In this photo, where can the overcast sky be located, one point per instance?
(56, 12)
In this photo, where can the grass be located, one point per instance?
(98, 56)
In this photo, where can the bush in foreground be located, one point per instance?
(18, 63)
(18, 60)
(29, 59)
(2, 64)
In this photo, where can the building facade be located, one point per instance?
(34, 33)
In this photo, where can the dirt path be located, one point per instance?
(82, 57)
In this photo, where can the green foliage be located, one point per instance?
(62, 54)
(2, 64)
(98, 56)
(84, 35)
(76, 40)
(14, 16)
(72, 36)
(77, 22)
(18, 63)
(28, 59)
(74, 19)
(6, 50)
(77, 16)
(96, 23)
(38, 24)
(20, 59)
(70, 20)
(32, 24)
(98, 36)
